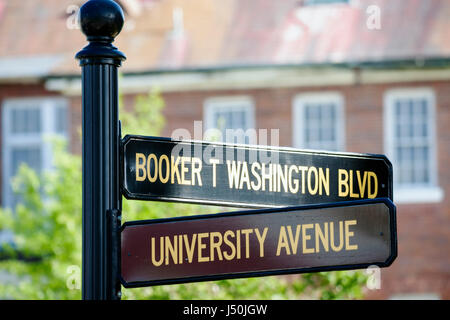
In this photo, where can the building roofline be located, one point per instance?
(417, 63)
(258, 77)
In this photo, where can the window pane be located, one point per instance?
(320, 126)
(24, 120)
(31, 156)
(422, 116)
(420, 162)
(233, 117)
(22, 155)
(411, 141)
(308, 113)
(424, 109)
(398, 110)
(61, 120)
(238, 121)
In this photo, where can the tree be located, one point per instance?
(45, 260)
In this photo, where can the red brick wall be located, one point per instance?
(423, 263)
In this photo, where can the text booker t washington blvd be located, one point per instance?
(256, 176)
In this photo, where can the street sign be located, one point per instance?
(162, 169)
(259, 242)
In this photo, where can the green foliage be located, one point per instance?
(46, 225)
(47, 229)
(146, 119)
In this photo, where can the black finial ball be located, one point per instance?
(101, 19)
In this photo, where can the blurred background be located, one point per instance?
(368, 76)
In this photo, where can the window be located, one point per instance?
(232, 117)
(26, 125)
(318, 121)
(411, 144)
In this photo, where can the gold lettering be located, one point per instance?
(159, 262)
(190, 246)
(233, 173)
(184, 170)
(294, 188)
(361, 185)
(349, 234)
(174, 170)
(303, 170)
(256, 165)
(283, 242)
(230, 256)
(201, 246)
(180, 251)
(196, 169)
(214, 162)
(172, 249)
(324, 181)
(373, 194)
(342, 182)
(238, 244)
(341, 236)
(316, 182)
(244, 176)
(261, 239)
(155, 161)
(247, 244)
(140, 167)
(266, 176)
(294, 241)
(166, 159)
(215, 245)
(282, 178)
(323, 236)
(306, 237)
(352, 194)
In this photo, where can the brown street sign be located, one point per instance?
(162, 169)
(262, 242)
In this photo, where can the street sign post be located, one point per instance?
(162, 169)
(101, 21)
(259, 242)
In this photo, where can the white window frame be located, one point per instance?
(48, 107)
(298, 104)
(411, 193)
(229, 103)
(416, 296)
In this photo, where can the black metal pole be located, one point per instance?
(101, 21)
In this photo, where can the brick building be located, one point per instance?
(349, 75)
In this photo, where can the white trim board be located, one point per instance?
(272, 77)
